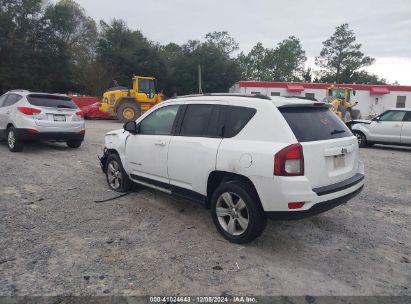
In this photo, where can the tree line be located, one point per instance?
(57, 47)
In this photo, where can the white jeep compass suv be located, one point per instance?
(245, 157)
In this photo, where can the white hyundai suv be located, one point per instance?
(27, 116)
(244, 157)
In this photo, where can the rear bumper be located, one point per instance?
(339, 186)
(315, 209)
(26, 135)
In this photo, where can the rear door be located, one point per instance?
(193, 151)
(387, 128)
(57, 112)
(406, 129)
(330, 149)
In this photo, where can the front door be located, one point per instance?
(146, 152)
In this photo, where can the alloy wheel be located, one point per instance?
(232, 213)
(114, 174)
(360, 139)
(11, 139)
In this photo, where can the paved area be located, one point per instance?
(57, 240)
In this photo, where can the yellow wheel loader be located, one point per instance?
(127, 104)
(340, 100)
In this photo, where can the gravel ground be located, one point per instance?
(56, 240)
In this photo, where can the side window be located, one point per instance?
(310, 95)
(160, 122)
(408, 116)
(2, 100)
(197, 120)
(236, 118)
(393, 116)
(400, 102)
(11, 100)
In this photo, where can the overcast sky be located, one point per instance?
(383, 27)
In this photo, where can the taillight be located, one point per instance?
(289, 161)
(80, 114)
(28, 110)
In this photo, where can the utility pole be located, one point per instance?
(200, 90)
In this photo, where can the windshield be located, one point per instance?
(339, 93)
(146, 86)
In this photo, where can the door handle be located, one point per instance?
(160, 143)
(397, 125)
(8, 112)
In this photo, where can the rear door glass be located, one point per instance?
(314, 123)
(51, 101)
(235, 119)
(197, 120)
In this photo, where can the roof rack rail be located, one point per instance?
(302, 97)
(19, 90)
(259, 96)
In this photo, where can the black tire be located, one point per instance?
(124, 183)
(13, 142)
(131, 107)
(74, 143)
(362, 140)
(257, 219)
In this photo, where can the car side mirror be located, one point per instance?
(377, 119)
(131, 127)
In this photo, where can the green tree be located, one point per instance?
(363, 77)
(18, 19)
(286, 61)
(222, 41)
(341, 56)
(254, 64)
(67, 39)
(127, 52)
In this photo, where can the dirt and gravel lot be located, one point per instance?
(56, 240)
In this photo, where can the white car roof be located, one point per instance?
(26, 92)
(250, 100)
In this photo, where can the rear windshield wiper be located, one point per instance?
(337, 132)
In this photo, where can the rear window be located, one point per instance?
(51, 101)
(236, 118)
(312, 124)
